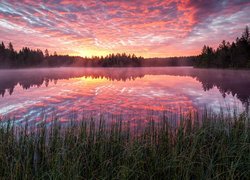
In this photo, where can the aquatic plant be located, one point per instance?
(200, 147)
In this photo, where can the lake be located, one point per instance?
(133, 94)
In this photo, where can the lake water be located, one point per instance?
(130, 93)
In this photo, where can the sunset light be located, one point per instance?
(149, 28)
(124, 89)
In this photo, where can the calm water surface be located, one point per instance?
(133, 93)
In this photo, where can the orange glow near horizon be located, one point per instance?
(133, 99)
(150, 28)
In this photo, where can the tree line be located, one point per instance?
(26, 57)
(227, 55)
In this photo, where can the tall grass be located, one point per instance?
(209, 147)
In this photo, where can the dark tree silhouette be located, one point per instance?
(10, 47)
(235, 55)
(46, 53)
(26, 57)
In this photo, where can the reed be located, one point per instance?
(199, 147)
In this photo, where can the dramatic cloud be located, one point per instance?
(97, 27)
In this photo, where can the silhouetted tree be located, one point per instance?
(10, 47)
(235, 55)
(2, 54)
(245, 34)
(46, 53)
(2, 46)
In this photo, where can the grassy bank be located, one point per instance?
(212, 147)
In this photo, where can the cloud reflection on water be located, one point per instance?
(135, 93)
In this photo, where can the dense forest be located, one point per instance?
(26, 57)
(227, 55)
(118, 60)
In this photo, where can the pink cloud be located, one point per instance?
(148, 28)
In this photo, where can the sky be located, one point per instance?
(148, 28)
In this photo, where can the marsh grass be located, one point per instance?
(200, 147)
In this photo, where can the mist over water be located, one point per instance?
(131, 93)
